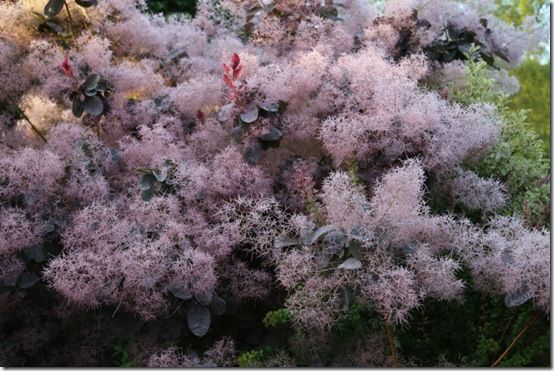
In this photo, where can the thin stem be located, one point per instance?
(33, 126)
(117, 308)
(516, 339)
(20, 111)
(69, 20)
(390, 337)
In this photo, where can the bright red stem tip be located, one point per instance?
(66, 67)
(235, 61)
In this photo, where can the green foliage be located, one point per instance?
(474, 333)
(255, 358)
(358, 322)
(353, 169)
(534, 95)
(277, 317)
(518, 159)
(351, 323)
(534, 73)
(515, 11)
(478, 85)
(120, 356)
(530, 354)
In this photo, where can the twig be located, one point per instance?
(116, 309)
(390, 337)
(516, 339)
(69, 20)
(33, 126)
(20, 111)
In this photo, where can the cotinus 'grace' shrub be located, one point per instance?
(268, 183)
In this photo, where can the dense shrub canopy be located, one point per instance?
(174, 191)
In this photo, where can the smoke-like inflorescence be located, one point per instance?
(175, 173)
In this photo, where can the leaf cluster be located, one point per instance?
(457, 44)
(90, 97)
(156, 182)
(270, 138)
(53, 7)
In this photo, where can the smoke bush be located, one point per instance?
(164, 179)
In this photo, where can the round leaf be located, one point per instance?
(53, 7)
(350, 264)
(270, 107)
(225, 112)
(147, 181)
(320, 232)
(218, 306)
(284, 241)
(250, 114)
(204, 298)
(147, 194)
(77, 107)
(199, 320)
(93, 105)
(274, 135)
(91, 82)
(86, 3)
(518, 296)
(179, 292)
